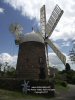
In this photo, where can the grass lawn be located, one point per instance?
(60, 89)
(10, 95)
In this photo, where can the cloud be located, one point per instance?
(28, 8)
(1, 10)
(31, 8)
(5, 57)
(55, 61)
(65, 44)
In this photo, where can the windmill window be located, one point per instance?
(41, 60)
(27, 60)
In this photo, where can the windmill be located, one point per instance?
(33, 47)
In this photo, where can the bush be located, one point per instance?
(60, 82)
(15, 84)
(64, 84)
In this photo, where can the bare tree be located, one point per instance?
(0, 66)
(72, 52)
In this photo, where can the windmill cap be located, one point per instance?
(32, 36)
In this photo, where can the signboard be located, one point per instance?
(28, 88)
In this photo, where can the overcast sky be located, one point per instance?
(27, 13)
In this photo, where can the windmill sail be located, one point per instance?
(16, 29)
(61, 56)
(43, 21)
(53, 20)
(46, 53)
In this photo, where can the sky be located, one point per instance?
(27, 13)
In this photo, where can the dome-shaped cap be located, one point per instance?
(32, 36)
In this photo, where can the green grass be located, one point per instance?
(7, 95)
(60, 89)
(10, 95)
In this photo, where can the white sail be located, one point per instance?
(43, 20)
(61, 56)
(53, 20)
(16, 29)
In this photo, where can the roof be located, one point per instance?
(32, 36)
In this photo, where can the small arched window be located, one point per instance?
(41, 60)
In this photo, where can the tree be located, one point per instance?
(5, 66)
(0, 66)
(11, 72)
(67, 67)
(72, 52)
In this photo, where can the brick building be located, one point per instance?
(31, 63)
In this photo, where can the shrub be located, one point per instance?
(15, 84)
(64, 83)
(60, 82)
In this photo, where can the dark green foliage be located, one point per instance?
(10, 84)
(11, 72)
(61, 82)
(0, 66)
(8, 73)
(64, 83)
(68, 76)
(67, 67)
(73, 79)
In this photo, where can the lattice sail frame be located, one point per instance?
(43, 21)
(48, 28)
(61, 56)
(16, 29)
(53, 20)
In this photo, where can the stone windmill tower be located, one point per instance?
(33, 47)
(31, 63)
